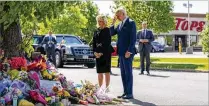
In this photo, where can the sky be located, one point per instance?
(198, 6)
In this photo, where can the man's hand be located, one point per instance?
(128, 54)
(143, 40)
(114, 20)
(146, 40)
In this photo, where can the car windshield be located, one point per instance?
(68, 40)
(37, 40)
(155, 43)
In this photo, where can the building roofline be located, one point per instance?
(194, 15)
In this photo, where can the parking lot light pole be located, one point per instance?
(189, 49)
(208, 35)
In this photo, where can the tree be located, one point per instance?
(78, 18)
(156, 13)
(11, 13)
(70, 21)
(109, 22)
(90, 11)
(205, 37)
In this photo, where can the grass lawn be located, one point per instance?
(172, 63)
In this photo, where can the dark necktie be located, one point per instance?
(50, 38)
(121, 25)
(144, 33)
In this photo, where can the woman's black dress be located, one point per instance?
(102, 44)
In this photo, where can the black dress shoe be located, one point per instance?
(141, 73)
(127, 97)
(114, 74)
(122, 96)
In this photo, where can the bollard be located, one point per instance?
(180, 48)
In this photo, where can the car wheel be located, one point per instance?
(59, 62)
(91, 65)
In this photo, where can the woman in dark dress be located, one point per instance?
(102, 50)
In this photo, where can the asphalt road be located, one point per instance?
(161, 88)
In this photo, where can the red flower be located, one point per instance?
(17, 62)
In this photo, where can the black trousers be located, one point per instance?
(50, 52)
(145, 54)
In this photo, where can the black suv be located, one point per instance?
(72, 51)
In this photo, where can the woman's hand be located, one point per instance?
(98, 55)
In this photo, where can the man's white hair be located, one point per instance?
(122, 10)
(144, 22)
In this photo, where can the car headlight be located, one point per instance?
(68, 51)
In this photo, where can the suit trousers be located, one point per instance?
(127, 74)
(144, 54)
(50, 52)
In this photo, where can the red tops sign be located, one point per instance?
(182, 24)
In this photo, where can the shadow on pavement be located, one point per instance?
(75, 67)
(114, 74)
(153, 75)
(138, 102)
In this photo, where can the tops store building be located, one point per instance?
(171, 39)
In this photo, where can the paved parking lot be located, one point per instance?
(161, 88)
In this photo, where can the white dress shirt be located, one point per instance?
(123, 22)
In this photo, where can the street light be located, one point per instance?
(208, 35)
(189, 49)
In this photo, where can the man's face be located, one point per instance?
(144, 25)
(50, 33)
(120, 16)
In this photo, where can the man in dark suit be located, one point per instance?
(126, 32)
(145, 38)
(50, 42)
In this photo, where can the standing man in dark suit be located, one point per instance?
(145, 38)
(50, 42)
(126, 32)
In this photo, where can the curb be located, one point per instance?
(174, 70)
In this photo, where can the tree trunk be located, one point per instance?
(12, 39)
(1, 29)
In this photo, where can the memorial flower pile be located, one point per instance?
(38, 82)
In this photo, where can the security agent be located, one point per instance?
(50, 42)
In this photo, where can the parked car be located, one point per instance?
(115, 48)
(114, 45)
(37, 39)
(157, 47)
(137, 47)
(72, 52)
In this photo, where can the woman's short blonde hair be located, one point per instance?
(102, 18)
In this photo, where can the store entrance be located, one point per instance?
(183, 39)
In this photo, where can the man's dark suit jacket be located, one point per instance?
(149, 36)
(46, 41)
(126, 37)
